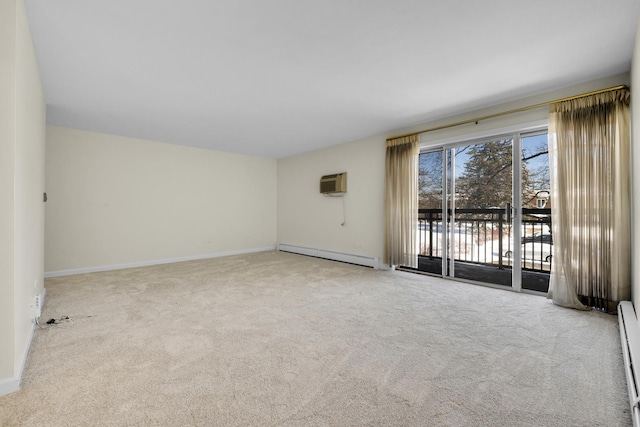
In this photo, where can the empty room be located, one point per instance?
(321, 213)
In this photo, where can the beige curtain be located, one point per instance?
(589, 156)
(401, 202)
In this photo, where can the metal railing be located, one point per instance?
(484, 236)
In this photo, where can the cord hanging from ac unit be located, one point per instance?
(344, 209)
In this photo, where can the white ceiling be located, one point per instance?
(280, 77)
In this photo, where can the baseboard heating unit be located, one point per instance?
(630, 339)
(335, 256)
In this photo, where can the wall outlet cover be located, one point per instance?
(37, 307)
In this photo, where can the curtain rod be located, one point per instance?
(516, 110)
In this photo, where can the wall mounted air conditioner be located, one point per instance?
(336, 183)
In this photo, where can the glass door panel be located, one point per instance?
(536, 241)
(480, 215)
(431, 229)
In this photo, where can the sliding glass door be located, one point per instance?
(484, 214)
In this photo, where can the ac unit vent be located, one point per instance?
(336, 183)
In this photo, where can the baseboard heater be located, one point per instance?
(335, 256)
(630, 339)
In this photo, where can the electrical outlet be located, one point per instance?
(37, 308)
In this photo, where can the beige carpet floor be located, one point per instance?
(277, 339)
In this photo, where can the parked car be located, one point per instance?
(537, 237)
(537, 247)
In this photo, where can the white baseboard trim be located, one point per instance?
(367, 261)
(96, 269)
(9, 385)
(12, 384)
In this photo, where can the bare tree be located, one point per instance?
(487, 176)
(430, 180)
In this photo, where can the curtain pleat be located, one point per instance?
(589, 149)
(401, 202)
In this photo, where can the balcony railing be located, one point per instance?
(484, 236)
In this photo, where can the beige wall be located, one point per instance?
(7, 154)
(635, 183)
(306, 218)
(21, 187)
(117, 201)
(29, 186)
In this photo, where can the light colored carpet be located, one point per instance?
(276, 339)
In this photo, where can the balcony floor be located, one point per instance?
(531, 280)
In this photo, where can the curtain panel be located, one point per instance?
(401, 202)
(589, 152)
